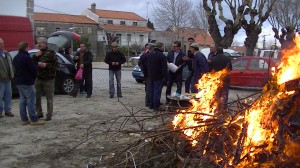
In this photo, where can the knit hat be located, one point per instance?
(195, 45)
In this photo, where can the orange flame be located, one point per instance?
(261, 119)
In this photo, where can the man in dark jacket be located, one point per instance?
(219, 62)
(143, 65)
(200, 66)
(189, 63)
(84, 59)
(115, 59)
(157, 74)
(25, 75)
(46, 62)
(177, 57)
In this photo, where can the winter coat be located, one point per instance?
(6, 67)
(25, 70)
(115, 56)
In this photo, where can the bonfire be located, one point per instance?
(256, 136)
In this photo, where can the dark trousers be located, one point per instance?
(155, 88)
(188, 82)
(88, 78)
(174, 78)
(146, 92)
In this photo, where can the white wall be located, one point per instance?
(13, 7)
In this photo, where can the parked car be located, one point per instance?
(232, 54)
(64, 81)
(251, 72)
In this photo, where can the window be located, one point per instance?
(90, 30)
(134, 23)
(239, 65)
(40, 31)
(122, 22)
(258, 64)
(128, 37)
(141, 38)
(110, 22)
(79, 30)
(119, 38)
(56, 28)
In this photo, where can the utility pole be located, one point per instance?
(264, 41)
(147, 11)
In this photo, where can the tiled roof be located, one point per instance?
(65, 18)
(124, 28)
(203, 38)
(118, 15)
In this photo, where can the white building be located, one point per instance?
(128, 26)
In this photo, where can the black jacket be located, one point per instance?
(178, 61)
(157, 65)
(219, 62)
(25, 70)
(143, 63)
(116, 56)
(87, 61)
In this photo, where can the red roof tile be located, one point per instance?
(65, 18)
(118, 15)
(124, 28)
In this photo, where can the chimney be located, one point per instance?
(93, 7)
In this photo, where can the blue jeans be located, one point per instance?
(111, 82)
(5, 96)
(154, 90)
(27, 98)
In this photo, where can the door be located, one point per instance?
(239, 73)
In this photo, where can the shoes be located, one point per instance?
(48, 118)
(111, 96)
(88, 96)
(38, 122)
(25, 122)
(9, 114)
(156, 110)
(82, 92)
(120, 96)
(40, 116)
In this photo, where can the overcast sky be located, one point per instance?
(143, 8)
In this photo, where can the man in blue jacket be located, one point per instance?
(200, 66)
(25, 76)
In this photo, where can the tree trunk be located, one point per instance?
(252, 32)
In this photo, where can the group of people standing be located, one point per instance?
(33, 77)
(154, 65)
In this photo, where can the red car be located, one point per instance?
(250, 71)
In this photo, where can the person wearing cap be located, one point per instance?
(177, 57)
(143, 65)
(157, 74)
(200, 65)
(188, 80)
(114, 59)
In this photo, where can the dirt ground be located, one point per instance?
(74, 137)
(50, 145)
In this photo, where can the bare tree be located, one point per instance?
(172, 13)
(285, 16)
(249, 14)
(198, 20)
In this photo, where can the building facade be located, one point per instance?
(130, 28)
(47, 23)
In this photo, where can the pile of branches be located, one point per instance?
(154, 143)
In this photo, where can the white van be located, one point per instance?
(227, 52)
